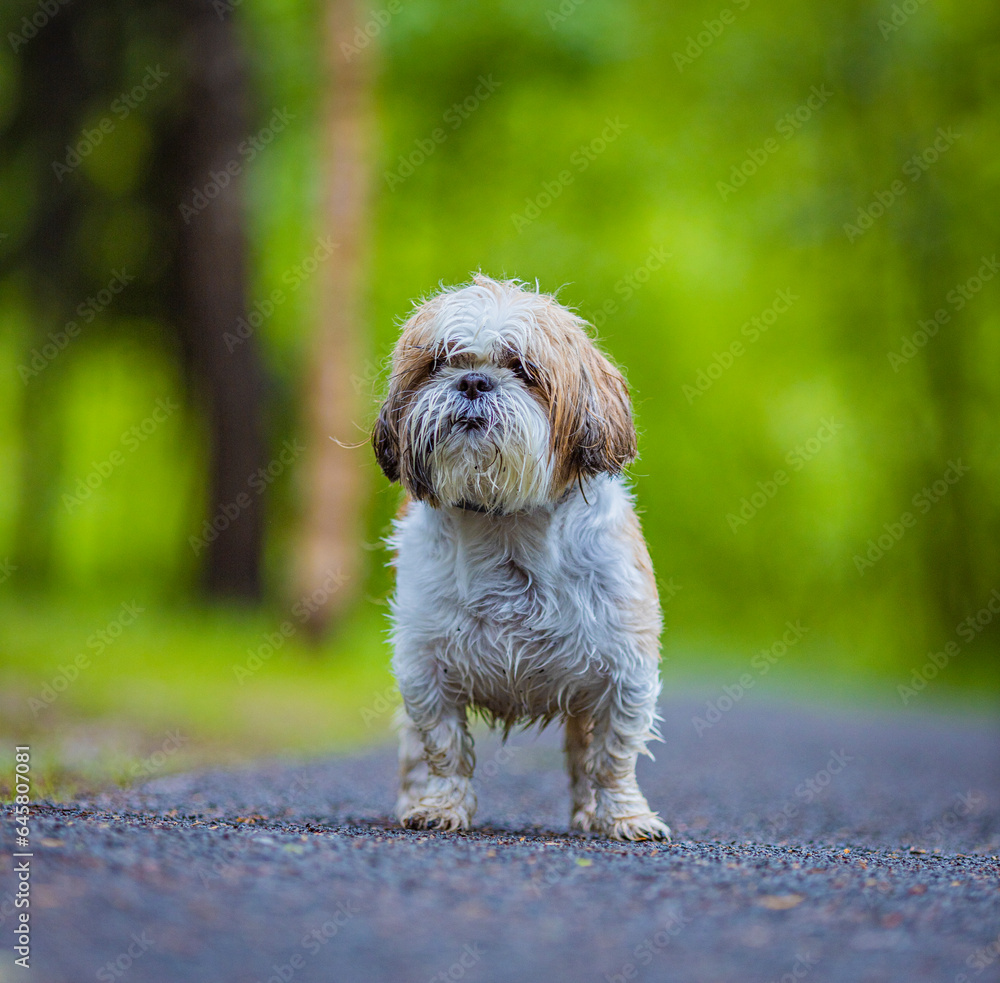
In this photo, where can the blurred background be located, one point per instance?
(781, 219)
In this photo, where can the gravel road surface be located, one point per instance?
(809, 844)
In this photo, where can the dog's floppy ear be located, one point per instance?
(412, 360)
(385, 438)
(590, 413)
(605, 440)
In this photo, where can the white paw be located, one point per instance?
(444, 804)
(645, 826)
(582, 819)
(429, 814)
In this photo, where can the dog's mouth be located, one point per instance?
(475, 422)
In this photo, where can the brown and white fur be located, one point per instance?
(524, 588)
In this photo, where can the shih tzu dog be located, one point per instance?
(524, 586)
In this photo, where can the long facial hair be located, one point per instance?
(558, 410)
(491, 454)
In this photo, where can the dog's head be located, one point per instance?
(498, 400)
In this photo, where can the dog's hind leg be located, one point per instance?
(576, 742)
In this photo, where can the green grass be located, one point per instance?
(171, 678)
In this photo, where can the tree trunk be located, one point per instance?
(328, 560)
(212, 291)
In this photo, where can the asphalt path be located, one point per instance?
(809, 844)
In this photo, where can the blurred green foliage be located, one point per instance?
(671, 170)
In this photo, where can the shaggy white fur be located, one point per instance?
(524, 589)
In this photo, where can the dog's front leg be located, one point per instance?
(621, 730)
(436, 762)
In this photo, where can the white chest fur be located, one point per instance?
(523, 616)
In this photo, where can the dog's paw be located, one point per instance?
(647, 826)
(444, 804)
(424, 814)
(582, 819)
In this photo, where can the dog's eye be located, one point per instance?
(521, 371)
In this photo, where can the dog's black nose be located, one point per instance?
(473, 384)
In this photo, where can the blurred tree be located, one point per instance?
(209, 272)
(327, 561)
(191, 280)
(523, 181)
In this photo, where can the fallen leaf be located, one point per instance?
(780, 902)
